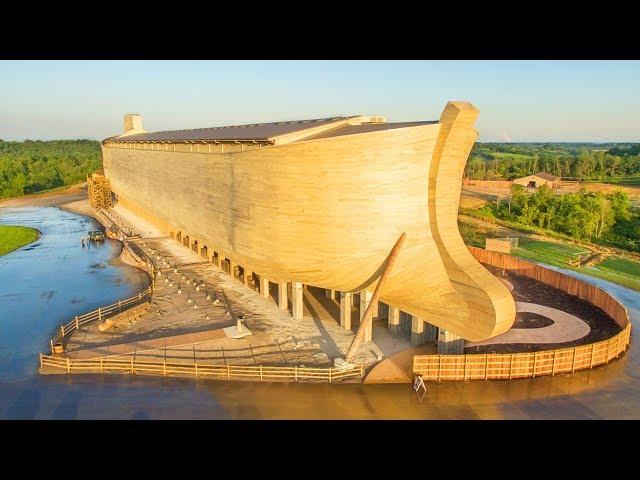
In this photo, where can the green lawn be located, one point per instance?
(557, 254)
(12, 238)
(631, 181)
(615, 269)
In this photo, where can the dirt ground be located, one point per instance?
(531, 291)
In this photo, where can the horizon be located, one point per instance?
(588, 102)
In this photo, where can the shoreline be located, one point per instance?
(81, 207)
(38, 236)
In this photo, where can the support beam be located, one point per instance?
(368, 315)
(264, 287)
(330, 294)
(449, 343)
(296, 300)
(417, 331)
(394, 320)
(365, 300)
(346, 302)
(282, 296)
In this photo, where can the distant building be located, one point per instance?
(537, 180)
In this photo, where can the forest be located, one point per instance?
(33, 165)
(571, 161)
(608, 219)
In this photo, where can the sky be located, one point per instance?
(519, 101)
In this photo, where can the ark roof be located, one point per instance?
(274, 133)
(256, 131)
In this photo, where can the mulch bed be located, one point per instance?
(532, 291)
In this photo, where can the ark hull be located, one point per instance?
(326, 212)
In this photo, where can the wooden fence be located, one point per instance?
(99, 314)
(547, 362)
(567, 283)
(226, 372)
(520, 365)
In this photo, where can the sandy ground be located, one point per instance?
(74, 192)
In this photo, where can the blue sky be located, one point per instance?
(593, 101)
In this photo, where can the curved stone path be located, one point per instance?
(565, 328)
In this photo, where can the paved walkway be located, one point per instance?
(565, 328)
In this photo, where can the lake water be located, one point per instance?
(48, 282)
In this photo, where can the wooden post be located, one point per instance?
(51, 342)
(593, 351)
(62, 330)
(486, 366)
(260, 372)
(119, 306)
(573, 362)
(99, 315)
(553, 367)
(131, 365)
(439, 367)
(164, 366)
(40, 359)
(77, 326)
(329, 374)
(510, 366)
(295, 371)
(195, 364)
(464, 376)
(535, 361)
(101, 369)
(68, 365)
(367, 318)
(228, 372)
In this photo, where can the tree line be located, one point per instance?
(608, 219)
(499, 161)
(32, 166)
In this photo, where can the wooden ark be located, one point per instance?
(323, 202)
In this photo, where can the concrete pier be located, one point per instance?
(394, 320)
(296, 300)
(449, 343)
(264, 287)
(282, 296)
(346, 302)
(417, 331)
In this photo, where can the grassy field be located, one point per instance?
(12, 238)
(618, 270)
(557, 254)
(633, 181)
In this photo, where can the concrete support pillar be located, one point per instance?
(393, 323)
(346, 302)
(282, 296)
(430, 332)
(417, 331)
(296, 300)
(264, 287)
(232, 268)
(330, 294)
(247, 276)
(365, 299)
(449, 343)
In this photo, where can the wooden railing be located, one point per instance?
(547, 362)
(520, 365)
(99, 314)
(226, 372)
